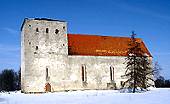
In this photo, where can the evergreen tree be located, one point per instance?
(8, 80)
(147, 72)
(138, 68)
(18, 79)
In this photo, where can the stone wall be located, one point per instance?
(98, 71)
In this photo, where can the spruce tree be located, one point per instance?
(138, 67)
(147, 71)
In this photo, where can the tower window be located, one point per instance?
(47, 30)
(37, 30)
(64, 27)
(36, 48)
(84, 73)
(111, 73)
(56, 31)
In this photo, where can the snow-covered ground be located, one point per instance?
(155, 96)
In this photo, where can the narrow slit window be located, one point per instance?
(37, 30)
(36, 48)
(46, 74)
(84, 74)
(47, 30)
(111, 73)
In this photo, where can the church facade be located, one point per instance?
(53, 60)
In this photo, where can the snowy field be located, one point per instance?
(155, 96)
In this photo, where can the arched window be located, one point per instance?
(84, 73)
(111, 73)
(47, 76)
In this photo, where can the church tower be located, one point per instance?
(44, 54)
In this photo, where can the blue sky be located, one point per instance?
(150, 19)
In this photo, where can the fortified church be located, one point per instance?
(54, 60)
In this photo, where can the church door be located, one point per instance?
(47, 87)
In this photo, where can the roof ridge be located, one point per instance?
(101, 36)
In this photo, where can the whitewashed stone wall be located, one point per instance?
(98, 71)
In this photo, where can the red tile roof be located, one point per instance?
(93, 45)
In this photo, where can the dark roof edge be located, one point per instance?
(47, 19)
(147, 49)
(23, 23)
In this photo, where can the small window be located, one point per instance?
(47, 30)
(37, 30)
(36, 48)
(56, 31)
(29, 43)
(64, 27)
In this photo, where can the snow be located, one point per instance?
(154, 96)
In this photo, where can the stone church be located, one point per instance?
(53, 60)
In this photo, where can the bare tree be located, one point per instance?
(157, 68)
